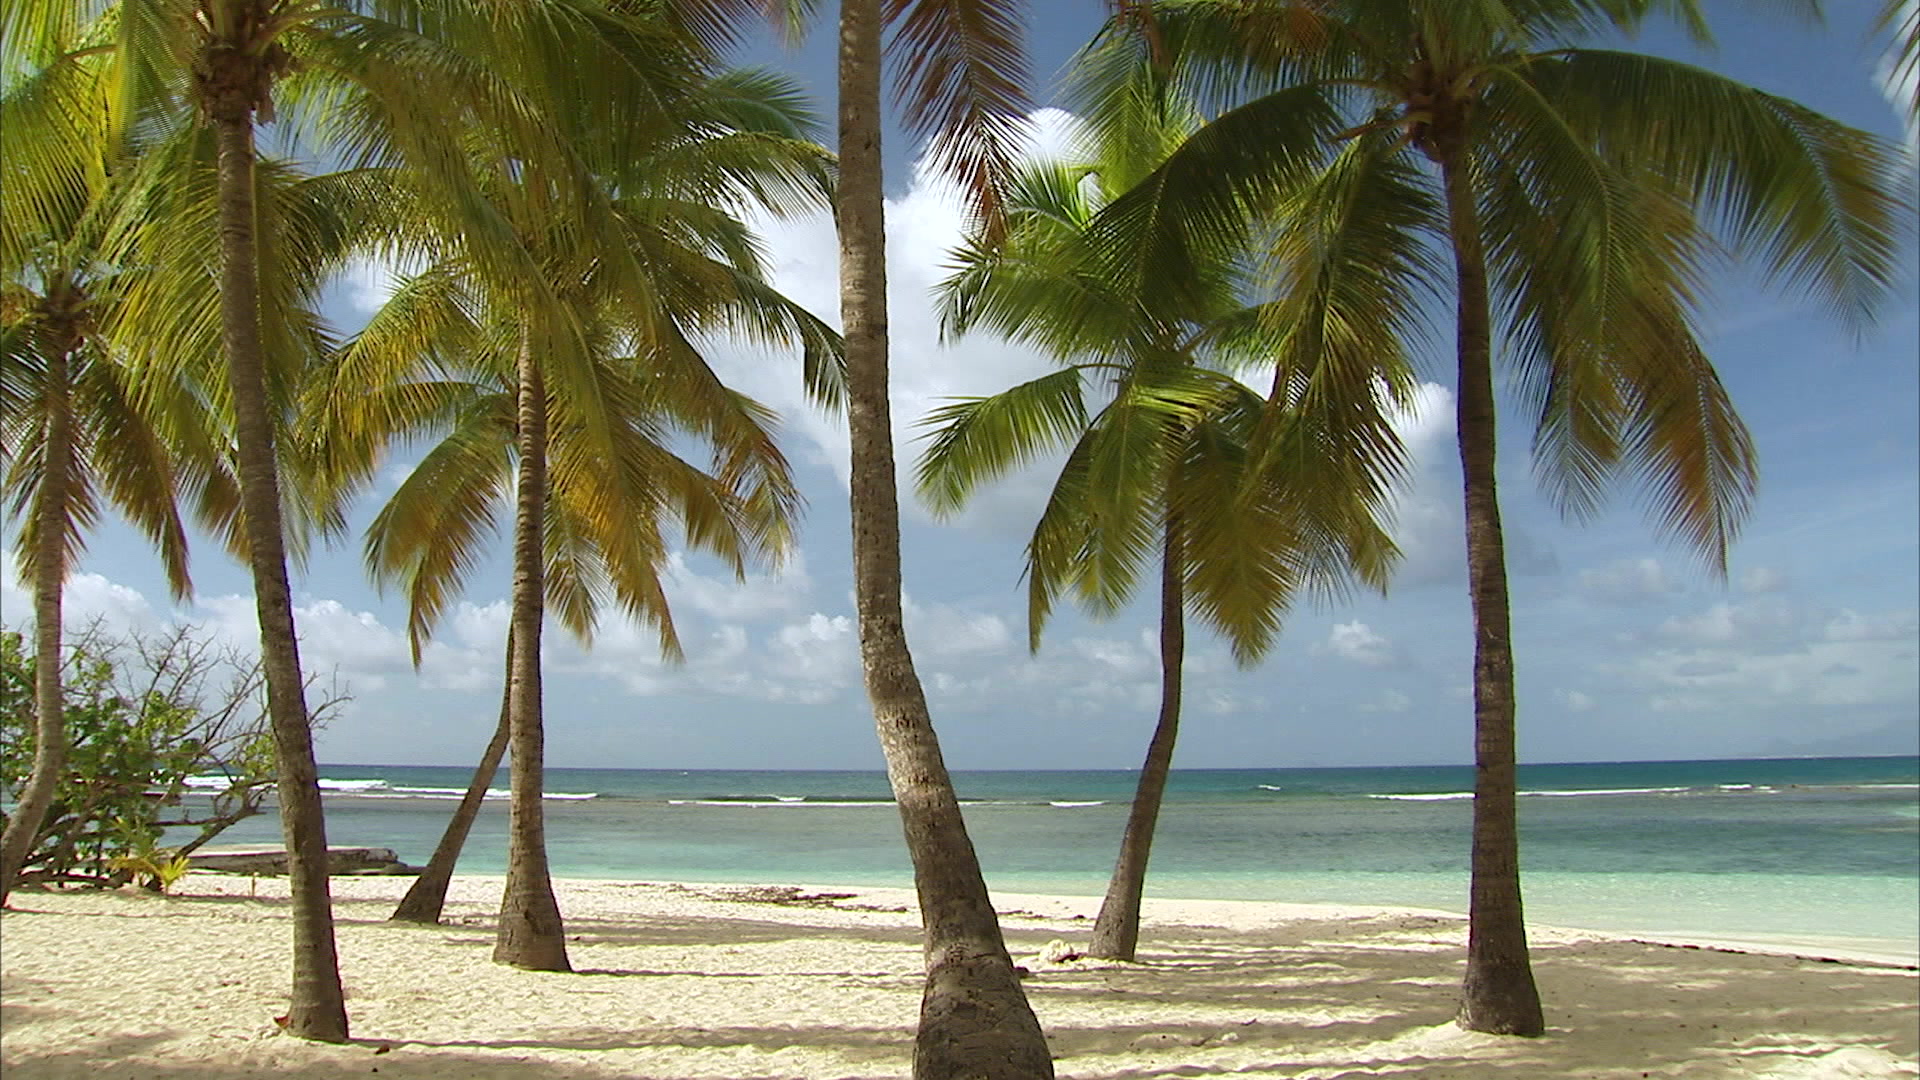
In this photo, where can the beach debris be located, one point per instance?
(1057, 951)
(786, 895)
(1159, 1040)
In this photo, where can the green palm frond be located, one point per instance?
(1814, 200)
(978, 440)
(1202, 202)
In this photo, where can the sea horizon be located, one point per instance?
(1193, 768)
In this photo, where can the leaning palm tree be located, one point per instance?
(1580, 195)
(1166, 452)
(585, 457)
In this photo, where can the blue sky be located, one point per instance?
(1625, 647)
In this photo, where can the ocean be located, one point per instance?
(1767, 850)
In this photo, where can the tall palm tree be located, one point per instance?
(1581, 193)
(964, 66)
(454, 350)
(1166, 453)
(81, 413)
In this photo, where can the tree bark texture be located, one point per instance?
(318, 1009)
(974, 1018)
(49, 577)
(1116, 931)
(1499, 995)
(531, 934)
(427, 897)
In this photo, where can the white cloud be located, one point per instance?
(940, 631)
(1768, 655)
(1767, 621)
(1887, 626)
(1358, 642)
(1388, 701)
(757, 596)
(87, 598)
(1628, 581)
(1762, 579)
(1574, 700)
(923, 226)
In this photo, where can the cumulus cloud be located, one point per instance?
(1358, 642)
(924, 225)
(1768, 655)
(86, 598)
(757, 596)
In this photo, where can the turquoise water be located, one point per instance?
(1804, 848)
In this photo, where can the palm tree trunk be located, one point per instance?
(1116, 931)
(531, 934)
(318, 1009)
(1499, 995)
(974, 1018)
(49, 575)
(427, 897)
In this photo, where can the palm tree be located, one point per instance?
(1580, 193)
(964, 66)
(84, 414)
(1167, 453)
(454, 350)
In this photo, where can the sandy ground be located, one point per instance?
(736, 983)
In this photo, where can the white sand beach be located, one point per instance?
(733, 982)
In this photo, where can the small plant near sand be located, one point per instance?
(159, 869)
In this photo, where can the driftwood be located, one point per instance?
(236, 859)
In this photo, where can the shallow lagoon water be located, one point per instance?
(1807, 849)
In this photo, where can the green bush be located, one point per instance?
(144, 714)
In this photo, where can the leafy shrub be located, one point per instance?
(145, 715)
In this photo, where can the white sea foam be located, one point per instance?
(1452, 796)
(1607, 791)
(1270, 787)
(354, 787)
(1063, 802)
(381, 789)
(211, 784)
(780, 800)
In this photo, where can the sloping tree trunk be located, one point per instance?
(49, 575)
(427, 897)
(1116, 931)
(531, 934)
(974, 1018)
(1499, 995)
(318, 1009)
